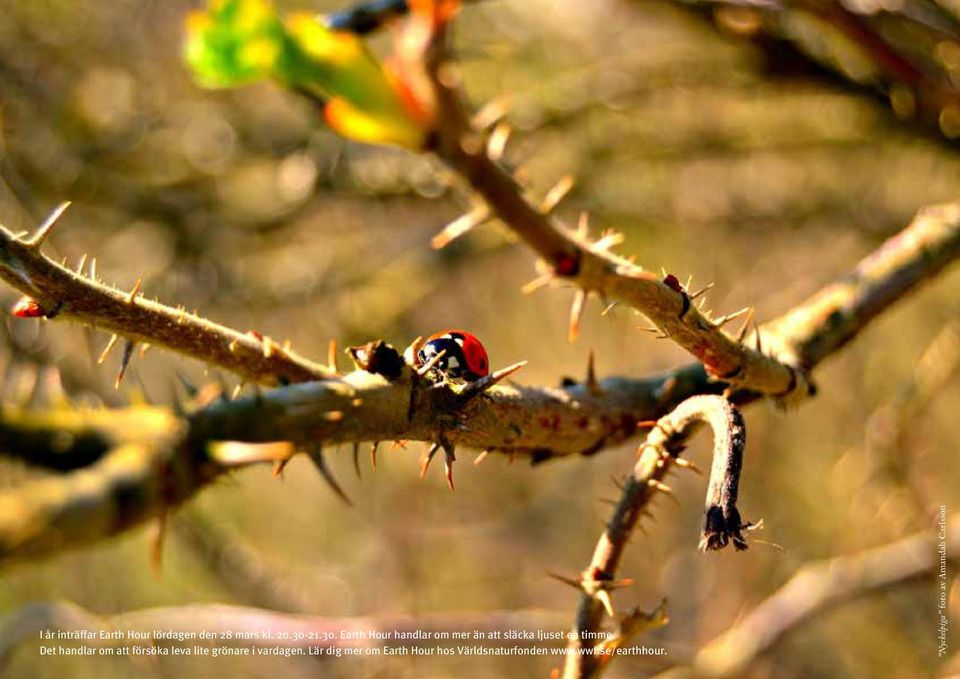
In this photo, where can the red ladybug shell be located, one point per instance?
(464, 356)
(27, 307)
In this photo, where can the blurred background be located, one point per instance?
(719, 153)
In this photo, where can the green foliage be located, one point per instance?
(238, 42)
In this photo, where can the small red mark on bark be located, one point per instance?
(567, 265)
(672, 282)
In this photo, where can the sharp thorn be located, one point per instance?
(356, 459)
(432, 363)
(93, 268)
(479, 386)
(481, 457)
(684, 463)
(157, 539)
(316, 454)
(489, 114)
(723, 320)
(132, 297)
(188, 386)
(83, 263)
(759, 340)
(556, 194)
(583, 225)
(592, 385)
(701, 290)
(607, 309)
(449, 457)
(47, 226)
(279, 466)
(106, 351)
(448, 473)
(332, 356)
(746, 326)
(537, 283)
(460, 226)
(603, 596)
(576, 313)
(497, 142)
(427, 459)
(373, 455)
(576, 583)
(607, 241)
(124, 361)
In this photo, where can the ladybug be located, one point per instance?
(27, 307)
(464, 357)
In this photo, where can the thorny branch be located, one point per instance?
(657, 455)
(81, 296)
(361, 406)
(571, 256)
(816, 588)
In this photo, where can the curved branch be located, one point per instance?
(658, 453)
(62, 293)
